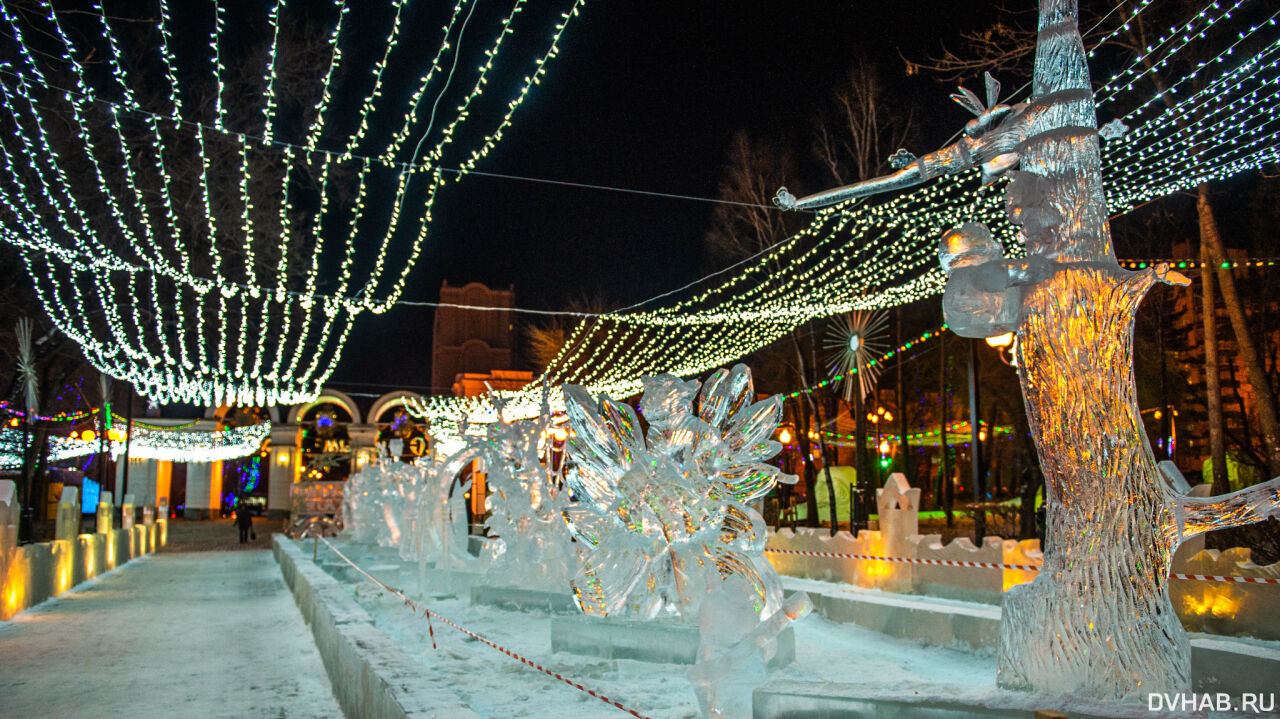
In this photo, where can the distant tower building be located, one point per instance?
(473, 344)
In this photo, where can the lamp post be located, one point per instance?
(975, 444)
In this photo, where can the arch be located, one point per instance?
(389, 400)
(327, 396)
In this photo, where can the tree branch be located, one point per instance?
(1247, 506)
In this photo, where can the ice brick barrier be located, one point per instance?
(1218, 664)
(32, 573)
(372, 677)
(1248, 605)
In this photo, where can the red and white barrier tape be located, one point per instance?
(429, 614)
(994, 565)
(907, 560)
(1219, 578)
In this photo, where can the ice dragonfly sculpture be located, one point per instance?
(1097, 620)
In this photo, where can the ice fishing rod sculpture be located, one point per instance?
(1097, 620)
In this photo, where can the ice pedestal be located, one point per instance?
(453, 582)
(523, 600)
(647, 641)
(822, 700)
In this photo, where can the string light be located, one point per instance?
(214, 313)
(148, 442)
(881, 252)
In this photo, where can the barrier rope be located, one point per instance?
(995, 565)
(907, 560)
(415, 606)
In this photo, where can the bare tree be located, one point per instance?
(855, 138)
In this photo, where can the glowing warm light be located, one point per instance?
(283, 459)
(888, 416)
(88, 435)
(1216, 601)
(559, 433)
(1158, 414)
(784, 436)
(115, 434)
(13, 422)
(884, 446)
(1001, 341)
(13, 590)
(982, 435)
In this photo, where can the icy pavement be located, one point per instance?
(210, 634)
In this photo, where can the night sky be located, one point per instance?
(645, 95)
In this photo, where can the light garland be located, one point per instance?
(211, 311)
(149, 442)
(882, 252)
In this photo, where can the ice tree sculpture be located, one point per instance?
(1097, 620)
(665, 514)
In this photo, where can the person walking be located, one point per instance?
(244, 520)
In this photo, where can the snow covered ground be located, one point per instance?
(865, 663)
(497, 686)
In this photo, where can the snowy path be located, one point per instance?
(211, 634)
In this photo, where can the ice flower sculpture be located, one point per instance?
(664, 514)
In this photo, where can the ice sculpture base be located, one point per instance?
(810, 700)
(940, 622)
(387, 573)
(523, 600)
(448, 582)
(661, 642)
(1236, 665)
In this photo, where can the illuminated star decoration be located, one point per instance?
(855, 343)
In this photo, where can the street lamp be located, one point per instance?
(1005, 342)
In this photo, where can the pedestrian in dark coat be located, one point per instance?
(244, 520)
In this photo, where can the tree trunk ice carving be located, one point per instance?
(1097, 620)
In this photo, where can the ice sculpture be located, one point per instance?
(665, 515)
(534, 549)
(734, 646)
(379, 503)
(442, 515)
(668, 528)
(1097, 620)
